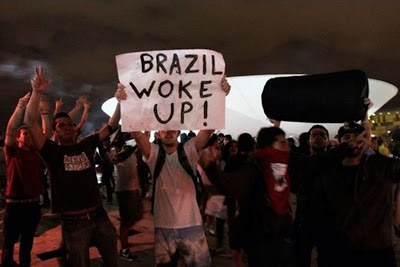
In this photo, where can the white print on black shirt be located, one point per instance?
(76, 162)
(279, 171)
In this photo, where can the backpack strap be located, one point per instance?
(183, 160)
(157, 170)
(198, 183)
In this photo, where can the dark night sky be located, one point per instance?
(77, 41)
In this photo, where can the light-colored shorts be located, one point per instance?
(185, 245)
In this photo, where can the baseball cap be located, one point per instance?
(350, 127)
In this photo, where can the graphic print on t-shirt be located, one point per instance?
(279, 171)
(76, 162)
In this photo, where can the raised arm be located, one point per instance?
(39, 84)
(365, 121)
(44, 109)
(58, 105)
(276, 123)
(86, 106)
(202, 137)
(16, 120)
(114, 119)
(78, 105)
(142, 139)
(143, 142)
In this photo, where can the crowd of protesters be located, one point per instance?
(346, 189)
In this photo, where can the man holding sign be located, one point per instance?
(179, 234)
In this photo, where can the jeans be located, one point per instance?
(81, 231)
(20, 220)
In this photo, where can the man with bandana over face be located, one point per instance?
(354, 202)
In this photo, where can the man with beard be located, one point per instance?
(318, 139)
(354, 202)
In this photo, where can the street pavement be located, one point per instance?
(46, 247)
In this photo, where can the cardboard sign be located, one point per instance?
(172, 90)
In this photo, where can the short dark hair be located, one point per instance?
(245, 142)
(20, 128)
(318, 126)
(191, 134)
(267, 136)
(56, 116)
(212, 140)
(228, 136)
(226, 153)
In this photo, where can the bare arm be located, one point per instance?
(114, 119)
(39, 84)
(44, 109)
(78, 105)
(58, 106)
(365, 122)
(86, 107)
(276, 123)
(16, 120)
(202, 137)
(142, 140)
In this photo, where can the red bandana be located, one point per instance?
(274, 164)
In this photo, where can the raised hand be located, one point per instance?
(225, 85)
(23, 101)
(40, 82)
(120, 94)
(79, 102)
(86, 103)
(360, 141)
(276, 123)
(59, 103)
(368, 102)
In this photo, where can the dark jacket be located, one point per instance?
(355, 203)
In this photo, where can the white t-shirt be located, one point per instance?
(175, 204)
(125, 174)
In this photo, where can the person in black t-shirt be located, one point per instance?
(74, 188)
